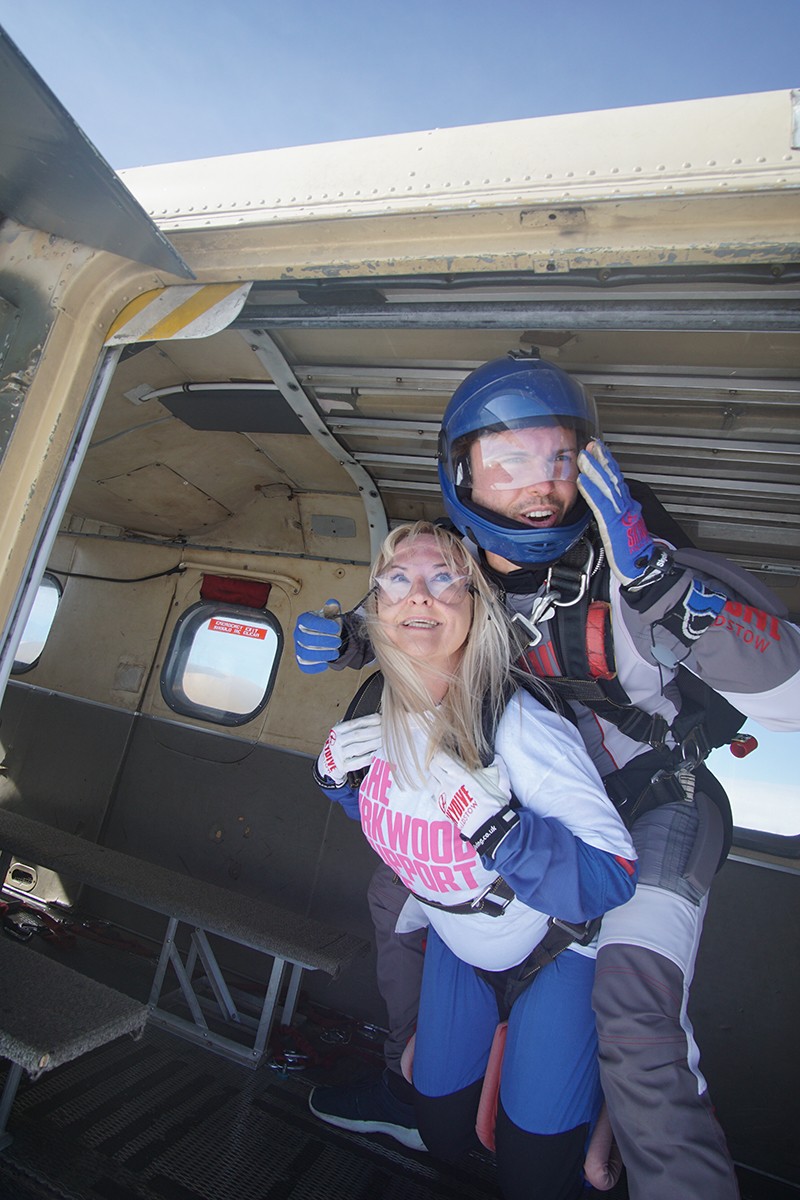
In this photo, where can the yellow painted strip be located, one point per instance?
(204, 299)
(133, 309)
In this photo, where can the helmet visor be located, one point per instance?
(509, 459)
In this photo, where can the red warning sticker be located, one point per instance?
(218, 625)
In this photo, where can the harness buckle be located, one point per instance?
(561, 580)
(578, 577)
(543, 608)
(581, 933)
(489, 902)
(693, 752)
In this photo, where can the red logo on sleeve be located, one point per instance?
(751, 625)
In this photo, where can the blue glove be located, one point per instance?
(317, 640)
(628, 544)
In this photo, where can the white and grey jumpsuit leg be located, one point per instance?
(670, 1141)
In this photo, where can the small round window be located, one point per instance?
(38, 625)
(221, 662)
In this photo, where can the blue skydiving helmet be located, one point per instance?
(512, 426)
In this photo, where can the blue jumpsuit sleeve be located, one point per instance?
(555, 872)
(348, 798)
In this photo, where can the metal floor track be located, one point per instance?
(160, 1119)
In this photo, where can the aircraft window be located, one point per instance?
(38, 625)
(762, 788)
(221, 662)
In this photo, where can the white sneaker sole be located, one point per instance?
(407, 1137)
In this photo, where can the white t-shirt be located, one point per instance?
(550, 773)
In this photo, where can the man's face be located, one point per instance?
(528, 475)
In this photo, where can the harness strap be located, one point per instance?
(509, 985)
(635, 723)
(493, 900)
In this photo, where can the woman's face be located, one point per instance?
(424, 608)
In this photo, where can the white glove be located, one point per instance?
(477, 802)
(350, 746)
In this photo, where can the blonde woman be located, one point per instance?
(485, 804)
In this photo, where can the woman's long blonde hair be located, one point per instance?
(477, 690)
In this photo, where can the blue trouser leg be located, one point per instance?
(549, 1084)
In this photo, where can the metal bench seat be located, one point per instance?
(205, 908)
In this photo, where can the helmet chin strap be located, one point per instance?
(566, 584)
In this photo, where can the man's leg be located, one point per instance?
(400, 959)
(670, 1141)
(385, 1105)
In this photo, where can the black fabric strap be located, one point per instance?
(493, 902)
(491, 833)
(509, 985)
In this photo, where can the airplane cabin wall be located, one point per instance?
(92, 747)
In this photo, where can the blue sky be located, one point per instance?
(162, 80)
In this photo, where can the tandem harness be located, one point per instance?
(579, 665)
(508, 985)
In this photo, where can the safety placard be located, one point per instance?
(218, 625)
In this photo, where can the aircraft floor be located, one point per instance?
(163, 1119)
(159, 1119)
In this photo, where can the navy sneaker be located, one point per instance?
(367, 1108)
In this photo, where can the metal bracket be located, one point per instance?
(222, 1006)
(287, 383)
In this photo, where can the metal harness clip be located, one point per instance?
(549, 597)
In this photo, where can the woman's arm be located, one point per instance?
(555, 872)
(350, 746)
(569, 855)
(344, 795)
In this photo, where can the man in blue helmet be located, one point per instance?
(632, 634)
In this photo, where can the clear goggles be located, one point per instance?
(518, 458)
(396, 583)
